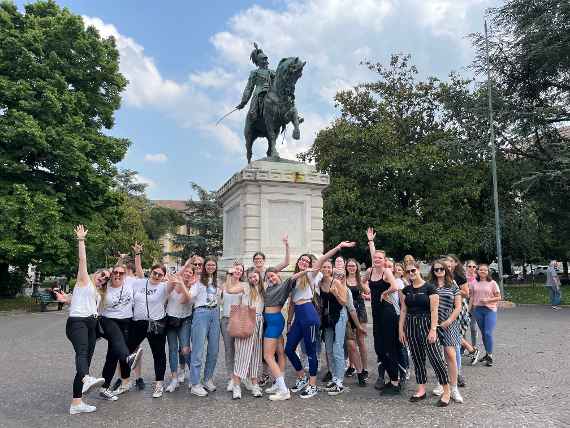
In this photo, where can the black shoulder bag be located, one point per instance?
(154, 327)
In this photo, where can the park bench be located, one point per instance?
(44, 298)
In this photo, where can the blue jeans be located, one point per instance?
(555, 295)
(205, 325)
(178, 338)
(486, 320)
(334, 345)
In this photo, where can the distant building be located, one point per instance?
(167, 241)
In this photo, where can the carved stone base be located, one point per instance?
(267, 199)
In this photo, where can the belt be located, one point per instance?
(206, 307)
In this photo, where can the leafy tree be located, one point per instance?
(203, 225)
(59, 88)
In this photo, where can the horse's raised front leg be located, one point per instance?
(248, 141)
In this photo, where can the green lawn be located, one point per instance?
(538, 294)
(17, 303)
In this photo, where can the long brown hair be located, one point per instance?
(356, 274)
(214, 275)
(303, 281)
(448, 278)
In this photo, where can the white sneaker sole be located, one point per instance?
(279, 397)
(198, 394)
(77, 412)
(95, 384)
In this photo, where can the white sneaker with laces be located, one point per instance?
(91, 382)
(230, 386)
(280, 396)
(438, 390)
(209, 385)
(198, 390)
(236, 392)
(256, 391)
(82, 407)
(158, 390)
(107, 394)
(272, 389)
(123, 387)
(172, 386)
(455, 395)
(247, 384)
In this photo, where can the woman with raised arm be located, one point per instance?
(81, 325)
(485, 297)
(178, 324)
(418, 328)
(248, 352)
(205, 327)
(149, 317)
(116, 317)
(381, 284)
(306, 324)
(449, 307)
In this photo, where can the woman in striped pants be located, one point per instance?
(418, 328)
(248, 351)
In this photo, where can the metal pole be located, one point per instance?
(494, 167)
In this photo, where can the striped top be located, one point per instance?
(446, 301)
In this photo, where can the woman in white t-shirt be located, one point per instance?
(81, 326)
(149, 318)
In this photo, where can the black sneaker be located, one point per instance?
(460, 381)
(116, 384)
(391, 389)
(365, 373)
(379, 385)
(329, 386)
(264, 380)
(300, 384)
(483, 359)
(489, 361)
(474, 356)
(336, 390)
(327, 377)
(134, 358)
(139, 384)
(361, 379)
(309, 391)
(349, 372)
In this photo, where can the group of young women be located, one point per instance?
(323, 302)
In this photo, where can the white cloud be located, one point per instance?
(157, 158)
(215, 78)
(151, 184)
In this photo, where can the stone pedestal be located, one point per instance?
(266, 200)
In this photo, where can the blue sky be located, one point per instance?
(188, 61)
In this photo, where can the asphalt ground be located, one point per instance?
(527, 386)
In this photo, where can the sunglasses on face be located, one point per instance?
(438, 269)
(412, 271)
(157, 273)
(472, 266)
(197, 264)
(305, 260)
(119, 273)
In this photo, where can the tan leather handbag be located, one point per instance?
(242, 320)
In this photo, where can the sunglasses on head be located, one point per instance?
(411, 271)
(439, 269)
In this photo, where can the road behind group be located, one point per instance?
(526, 387)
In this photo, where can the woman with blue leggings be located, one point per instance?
(307, 320)
(485, 296)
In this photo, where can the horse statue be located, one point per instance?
(277, 108)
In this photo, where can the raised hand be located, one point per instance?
(285, 239)
(137, 248)
(80, 232)
(346, 244)
(370, 234)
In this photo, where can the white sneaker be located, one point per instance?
(438, 390)
(455, 395)
(230, 386)
(123, 387)
(272, 389)
(209, 385)
(247, 384)
(280, 396)
(75, 409)
(181, 376)
(198, 390)
(236, 392)
(256, 391)
(91, 382)
(172, 386)
(107, 394)
(158, 390)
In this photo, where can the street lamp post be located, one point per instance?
(494, 167)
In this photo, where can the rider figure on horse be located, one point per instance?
(258, 84)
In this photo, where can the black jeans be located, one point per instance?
(157, 342)
(117, 333)
(386, 341)
(81, 332)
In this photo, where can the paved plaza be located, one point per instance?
(526, 387)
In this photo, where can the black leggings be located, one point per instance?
(386, 342)
(157, 342)
(117, 333)
(81, 332)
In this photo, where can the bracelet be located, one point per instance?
(371, 240)
(138, 254)
(81, 239)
